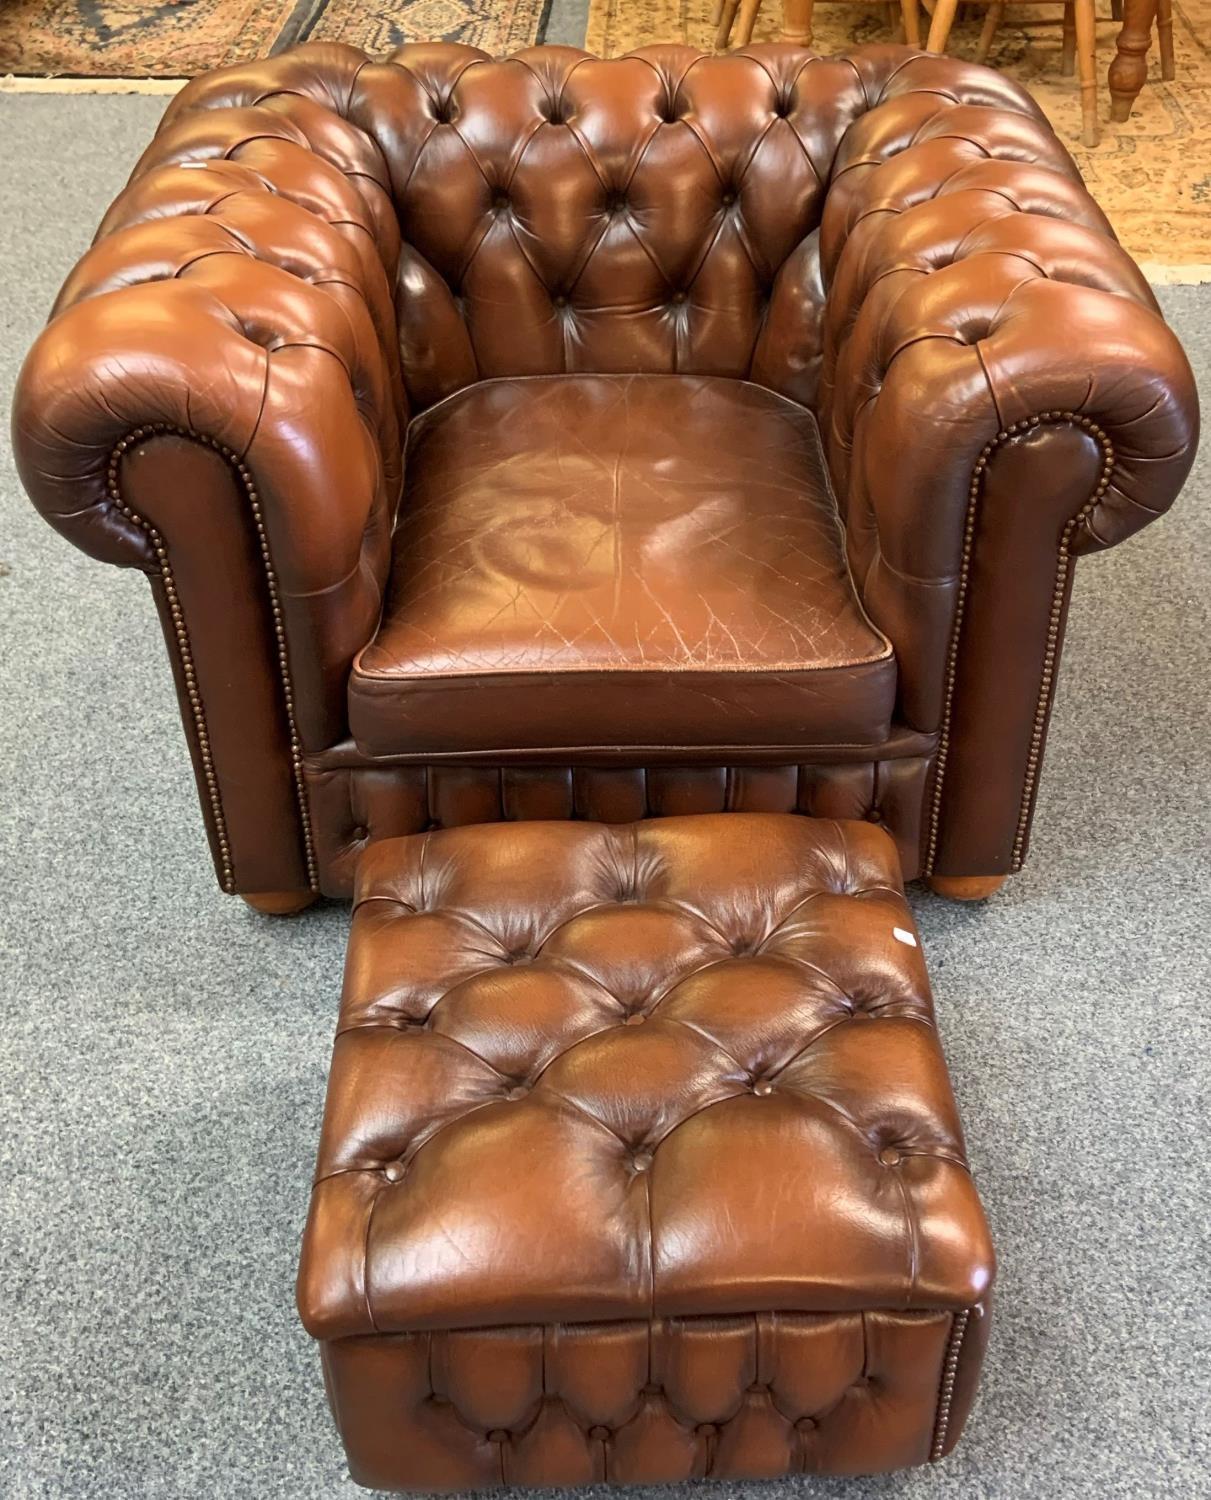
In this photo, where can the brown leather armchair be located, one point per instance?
(755, 408)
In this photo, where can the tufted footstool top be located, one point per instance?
(683, 1066)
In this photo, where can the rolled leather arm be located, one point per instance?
(999, 394)
(217, 401)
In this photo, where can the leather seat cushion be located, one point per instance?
(618, 561)
(679, 1068)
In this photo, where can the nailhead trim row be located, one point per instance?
(1047, 681)
(244, 475)
(946, 1392)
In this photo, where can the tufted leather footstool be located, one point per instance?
(640, 1162)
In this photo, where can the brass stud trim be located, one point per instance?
(950, 1369)
(1052, 648)
(185, 653)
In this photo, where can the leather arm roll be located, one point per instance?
(999, 394)
(217, 401)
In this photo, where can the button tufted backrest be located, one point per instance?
(557, 212)
(653, 213)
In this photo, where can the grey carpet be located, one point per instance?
(163, 1051)
(567, 21)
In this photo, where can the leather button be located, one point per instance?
(637, 1018)
(599, 1434)
(560, 301)
(763, 1087)
(500, 200)
(641, 1161)
(359, 833)
(889, 1156)
(393, 1171)
(806, 1424)
(498, 1435)
(875, 815)
(519, 1091)
(651, 1389)
(759, 1388)
(707, 1430)
(679, 297)
(728, 199)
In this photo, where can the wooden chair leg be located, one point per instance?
(1086, 44)
(797, 22)
(1130, 66)
(1068, 52)
(910, 14)
(727, 16)
(939, 27)
(280, 903)
(965, 887)
(992, 19)
(1164, 31)
(716, 13)
(748, 19)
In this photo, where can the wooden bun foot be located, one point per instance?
(965, 887)
(280, 903)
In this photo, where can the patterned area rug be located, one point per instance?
(178, 38)
(1151, 175)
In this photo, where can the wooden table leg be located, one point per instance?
(992, 19)
(727, 17)
(748, 19)
(797, 22)
(1130, 66)
(1068, 52)
(1164, 32)
(1086, 61)
(911, 16)
(939, 27)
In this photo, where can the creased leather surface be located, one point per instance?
(680, 1069)
(618, 560)
(895, 240)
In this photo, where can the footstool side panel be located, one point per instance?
(639, 1403)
